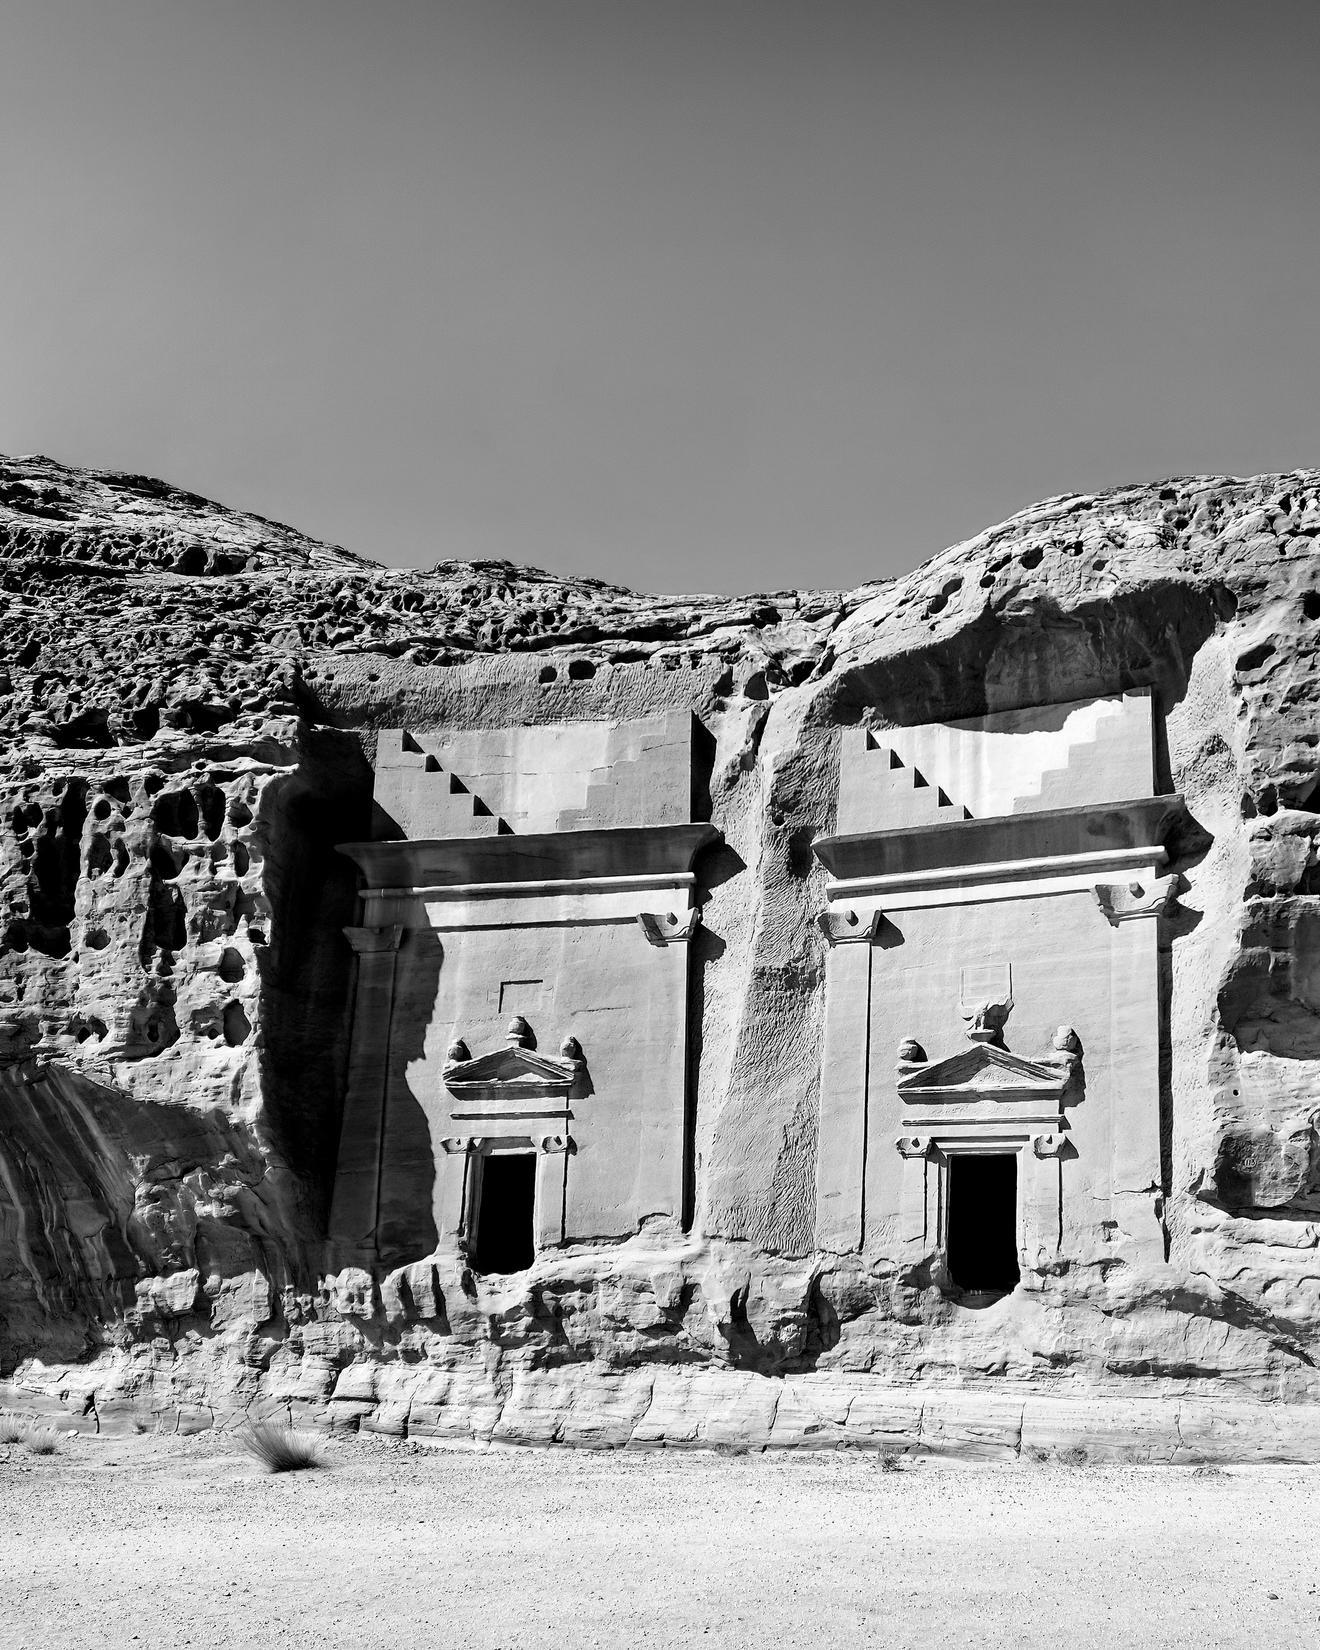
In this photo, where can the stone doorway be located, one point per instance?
(982, 1231)
(503, 1224)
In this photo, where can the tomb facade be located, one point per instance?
(991, 1091)
(519, 1057)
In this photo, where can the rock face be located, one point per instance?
(773, 957)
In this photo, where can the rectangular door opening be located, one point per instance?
(505, 1210)
(982, 1224)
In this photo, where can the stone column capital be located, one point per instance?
(669, 928)
(368, 941)
(841, 925)
(1124, 901)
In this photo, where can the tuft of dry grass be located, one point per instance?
(279, 1448)
(11, 1429)
(39, 1441)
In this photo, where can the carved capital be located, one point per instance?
(553, 1144)
(455, 1145)
(842, 925)
(367, 941)
(669, 928)
(913, 1145)
(1122, 901)
(1047, 1145)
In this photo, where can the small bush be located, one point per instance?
(890, 1461)
(280, 1449)
(11, 1429)
(39, 1441)
(1208, 1469)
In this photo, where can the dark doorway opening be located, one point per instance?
(982, 1228)
(506, 1198)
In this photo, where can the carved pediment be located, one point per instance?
(515, 1072)
(984, 1072)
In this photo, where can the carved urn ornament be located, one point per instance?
(986, 1021)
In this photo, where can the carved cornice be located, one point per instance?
(1124, 901)
(1046, 837)
(541, 861)
(669, 928)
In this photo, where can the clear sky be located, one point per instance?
(690, 294)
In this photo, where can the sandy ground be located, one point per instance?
(184, 1542)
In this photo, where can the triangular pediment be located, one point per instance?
(518, 1069)
(982, 1072)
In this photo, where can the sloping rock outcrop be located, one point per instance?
(190, 704)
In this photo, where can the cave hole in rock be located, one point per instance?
(237, 1026)
(982, 1224)
(211, 803)
(505, 1200)
(175, 814)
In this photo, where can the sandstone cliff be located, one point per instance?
(189, 706)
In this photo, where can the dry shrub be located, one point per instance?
(39, 1440)
(280, 1449)
(11, 1429)
(890, 1461)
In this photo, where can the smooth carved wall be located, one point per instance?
(523, 985)
(993, 985)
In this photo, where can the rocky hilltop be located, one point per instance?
(190, 704)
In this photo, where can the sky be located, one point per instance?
(716, 295)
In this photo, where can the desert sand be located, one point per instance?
(175, 1542)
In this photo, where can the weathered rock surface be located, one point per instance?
(189, 705)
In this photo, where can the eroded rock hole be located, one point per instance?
(237, 1025)
(175, 813)
(100, 856)
(505, 1198)
(55, 869)
(212, 804)
(165, 863)
(982, 1224)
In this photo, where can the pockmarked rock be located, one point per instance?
(485, 1005)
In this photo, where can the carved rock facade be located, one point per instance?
(477, 1004)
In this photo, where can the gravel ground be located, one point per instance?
(185, 1542)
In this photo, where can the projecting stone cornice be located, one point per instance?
(1055, 842)
(559, 861)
